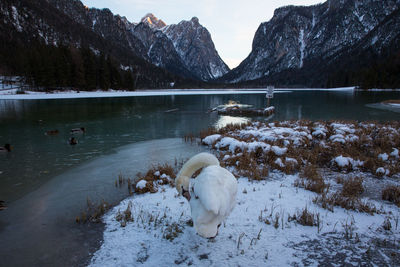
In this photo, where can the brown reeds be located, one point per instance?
(311, 179)
(362, 142)
(156, 175)
(305, 217)
(352, 187)
(392, 194)
(93, 212)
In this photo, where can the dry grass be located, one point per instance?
(352, 187)
(156, 175)
(172, 231)
(207, 132)
(306, 218)
(365, 141)
(392, 194)
(246, 165)
(361, 142)
(190, 138)
(330, 200)
(395, 101)
(311, 179)
(348, 197)
(93, 212)
(126, 216)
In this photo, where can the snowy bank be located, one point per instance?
(260, 231)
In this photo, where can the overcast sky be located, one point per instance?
(232, 23)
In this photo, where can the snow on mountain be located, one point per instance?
(297, 35)
(153, 21)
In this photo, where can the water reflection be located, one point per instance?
(225, 120)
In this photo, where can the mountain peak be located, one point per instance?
(153, 21)
(195, 20)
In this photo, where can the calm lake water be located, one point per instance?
(45, 180)
(113, 122)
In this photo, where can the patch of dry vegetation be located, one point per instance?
(306, 218)
(393, 101)
(319, 143)
(310, 146)
(245, 165)
(348, 197)
(311, 179)
(156, 175)
(392, 194)
(93, 212)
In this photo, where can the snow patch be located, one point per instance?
(141, 184)
(279, 151)
(382, 171)
(211, 139)
(383, 157)
(347, 162)
(302, 47)
(16, 18)
(395, 153)
(279, 162)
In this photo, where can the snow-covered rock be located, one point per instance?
(279, 151)
(382, 171)
(395, 153)
(383, 157)
(141, 184)
(211, 139)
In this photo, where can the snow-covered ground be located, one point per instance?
(257, 233)
(266, 228)
(394, 105)
(12, 94)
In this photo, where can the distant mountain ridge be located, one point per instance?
(101, 30)
(154, 45)
(336, 43)
(300, 42)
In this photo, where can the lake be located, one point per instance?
(45, 181)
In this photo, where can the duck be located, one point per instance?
(78, 130)
(211, 195)
(73, 141)
(52, 132)
(5, 148)
(2, 205)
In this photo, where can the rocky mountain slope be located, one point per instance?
(194, 44)
(298, 41)
(40, 40)
(148, 40)
(185, 49)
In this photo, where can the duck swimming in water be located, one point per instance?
(78, 130)
(2, 205)
(73, 141)
(211, 195)
(5, 148)
(52, 132)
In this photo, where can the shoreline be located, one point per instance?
(11, 94)
(40, 228)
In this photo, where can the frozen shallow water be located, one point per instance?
(40, 230)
